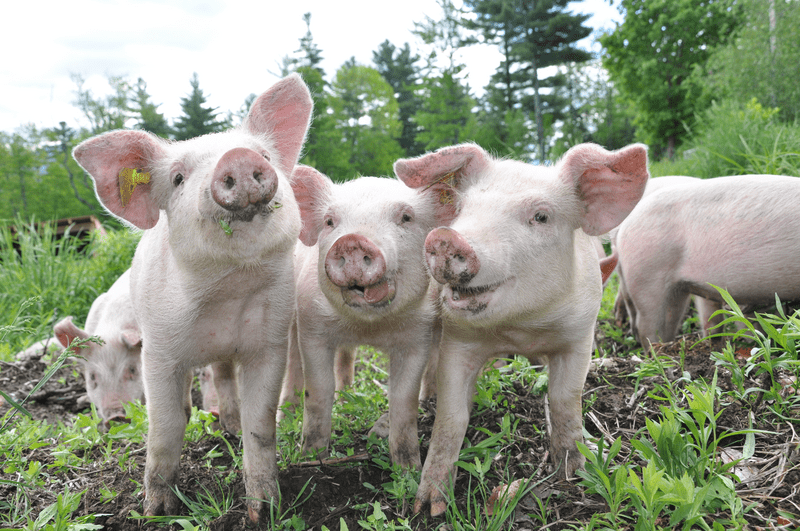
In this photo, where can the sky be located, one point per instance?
(235, 47)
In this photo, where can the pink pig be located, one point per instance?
(521, 276)
(112, 370)
(738, 233)
(361, 279)
(212, 278)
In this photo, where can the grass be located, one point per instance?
(667, 474)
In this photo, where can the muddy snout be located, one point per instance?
(451, 259)
(355, 262)
(243, 182)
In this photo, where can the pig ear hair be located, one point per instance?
(119, 157)
(131, 338)
(66, 332)
(283, 113)
(312, 191)
(441, 174)
(608, 183)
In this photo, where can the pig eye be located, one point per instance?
(406, 218)
(329, 222)
(266, 155)
(540, 217)
(177, 180)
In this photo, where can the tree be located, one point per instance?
(104, 113)
(532, 35)
(366, 117)
(762, 61)
(652, 53)
(398, 68)
(446, 114)
(196, 120)
(147, 116)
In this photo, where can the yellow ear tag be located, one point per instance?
(445, 194)
(128, 179)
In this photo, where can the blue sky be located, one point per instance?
(235, 46)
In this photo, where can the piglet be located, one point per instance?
(212, 278)
(112, 370)
(520, 275)
(738, 233)
(361, 279)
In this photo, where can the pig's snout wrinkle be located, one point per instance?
(451, 259)
(243, 180)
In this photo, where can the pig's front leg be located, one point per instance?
(228, 396)
(456, 375)
(166, 389)
(293, 378)
(260, 385)
(567, 375)
(405, 373)
(318, 371)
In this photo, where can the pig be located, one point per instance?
(113, 369)
(361, 279)
(738, 233)
(519, 275)
(212, 277)
(622, 305)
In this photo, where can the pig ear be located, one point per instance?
(131, 338)
(608, 183)
(66, 332)
(283, 113)
(312, 191)
(107, 156)
(441, 174)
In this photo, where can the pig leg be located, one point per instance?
(456, 376)
(318, 370)
(228, 396)
(260, 384)
(567, 374)
(428, 386)
(705, 309)
(345, 367)
(405, 373)
(293, 379)
(658, 313)
(166, 390)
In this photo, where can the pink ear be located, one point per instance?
(66, 332)
(311, 190)
(106, 155)
(284, 113)
(441, 174)
(131, 338)
(609, 183)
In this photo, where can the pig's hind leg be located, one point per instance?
(228, 395)
(318, 372)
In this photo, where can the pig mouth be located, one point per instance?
(473, 299)
(375, 295)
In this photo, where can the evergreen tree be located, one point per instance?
(104, 113)
(197, 119)
(399, 69)
(532, 35)
(147, 115)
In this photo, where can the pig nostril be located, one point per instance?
(460, 258)
(229, 182)
(367, 260)
(257, 176)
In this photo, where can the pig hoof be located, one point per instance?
(381, 427)
(160, 501)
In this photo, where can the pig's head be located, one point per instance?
(514, 247)
(112, 370)
(370, 234)
(221, 192)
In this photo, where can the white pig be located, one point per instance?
(212, 278)
(521, 276)
(738, 233)
(112, 370)
(361, 279)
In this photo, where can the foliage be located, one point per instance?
(651, 56)
(762, 61)
(197, 119)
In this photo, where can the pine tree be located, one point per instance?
(398, 68)
(196, 120)
(148, 119)
(532, 35)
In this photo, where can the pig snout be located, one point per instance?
(451, 259)
(354, 261)
(243, 181)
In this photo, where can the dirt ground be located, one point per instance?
(617, 403)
